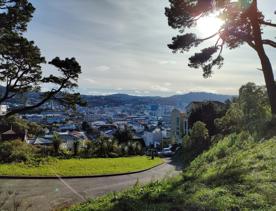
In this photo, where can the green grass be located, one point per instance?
(80, 167)
(235, 174)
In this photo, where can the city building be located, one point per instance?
(179, 126)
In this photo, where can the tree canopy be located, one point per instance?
(207, 112)
(250, 111)
(21, 62)
(243, 24)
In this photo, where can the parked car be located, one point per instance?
(167, 152)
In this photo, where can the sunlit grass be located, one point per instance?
(80, 167)
(238, 173)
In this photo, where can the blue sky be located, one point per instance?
(122, 48)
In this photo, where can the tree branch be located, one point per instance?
(210, 37)
(7, 91)
(267, 23)
(45, 99)
(251, 44)
(269, 42)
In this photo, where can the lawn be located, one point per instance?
(235, 174)
(80, 167)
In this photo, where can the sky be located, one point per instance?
(122, 48)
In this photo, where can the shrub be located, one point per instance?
(16, 151)
(76, 146)
(199, 137)
(56, 143)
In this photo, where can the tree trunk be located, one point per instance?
(269, 80)
(266, 65)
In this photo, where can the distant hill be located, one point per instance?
(122, 99)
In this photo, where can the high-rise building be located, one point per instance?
(179, 125)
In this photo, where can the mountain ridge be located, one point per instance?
(174, 100)
(123, 99)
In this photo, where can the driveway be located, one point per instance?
(49, 194)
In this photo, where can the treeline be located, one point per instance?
(249, 112)
(121, 145)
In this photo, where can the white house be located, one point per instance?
(153, 137)
(68, 139)
(3, 109)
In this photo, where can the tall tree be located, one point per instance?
(21, 61)
(243, 24)
(123, 135)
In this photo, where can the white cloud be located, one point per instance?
(179, 92)
(165, 62)
(91, 81)
(102, 68)
(160, 88)
(134, 54)
(167, 84)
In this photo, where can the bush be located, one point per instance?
(20, 125)
(199, 137)
(56, 142)
(250, 111)
(16, 151)
(105, 148)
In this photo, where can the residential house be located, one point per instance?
(3, 109)
(11, 135)
(153, 137)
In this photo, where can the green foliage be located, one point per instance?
(123, 135)
(243, 23)
(207, 112)
(154, 196)
(199, 138)
(250, 111)
(236, 173)
(232, 121)
(199, 132)
(76, 146)
(103, 147)
(20, 125)
(195, 143)
(16, 151)
(106, 147)
(56, 143)
(21, 62)
(254, 103)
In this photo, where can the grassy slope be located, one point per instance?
(80, 167)
(235, 174)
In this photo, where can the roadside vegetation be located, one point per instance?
(235, 169)
(237, 173)
(102, 156)
(79, 167)
(18, 151)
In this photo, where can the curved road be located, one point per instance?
(49, 194)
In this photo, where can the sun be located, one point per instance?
(209, 25)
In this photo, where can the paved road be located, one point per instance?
(49, 194)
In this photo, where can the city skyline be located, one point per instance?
(122, 48)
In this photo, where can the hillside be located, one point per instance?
(235, 174)
(122, 99)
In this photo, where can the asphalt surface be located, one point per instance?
(52, 194)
